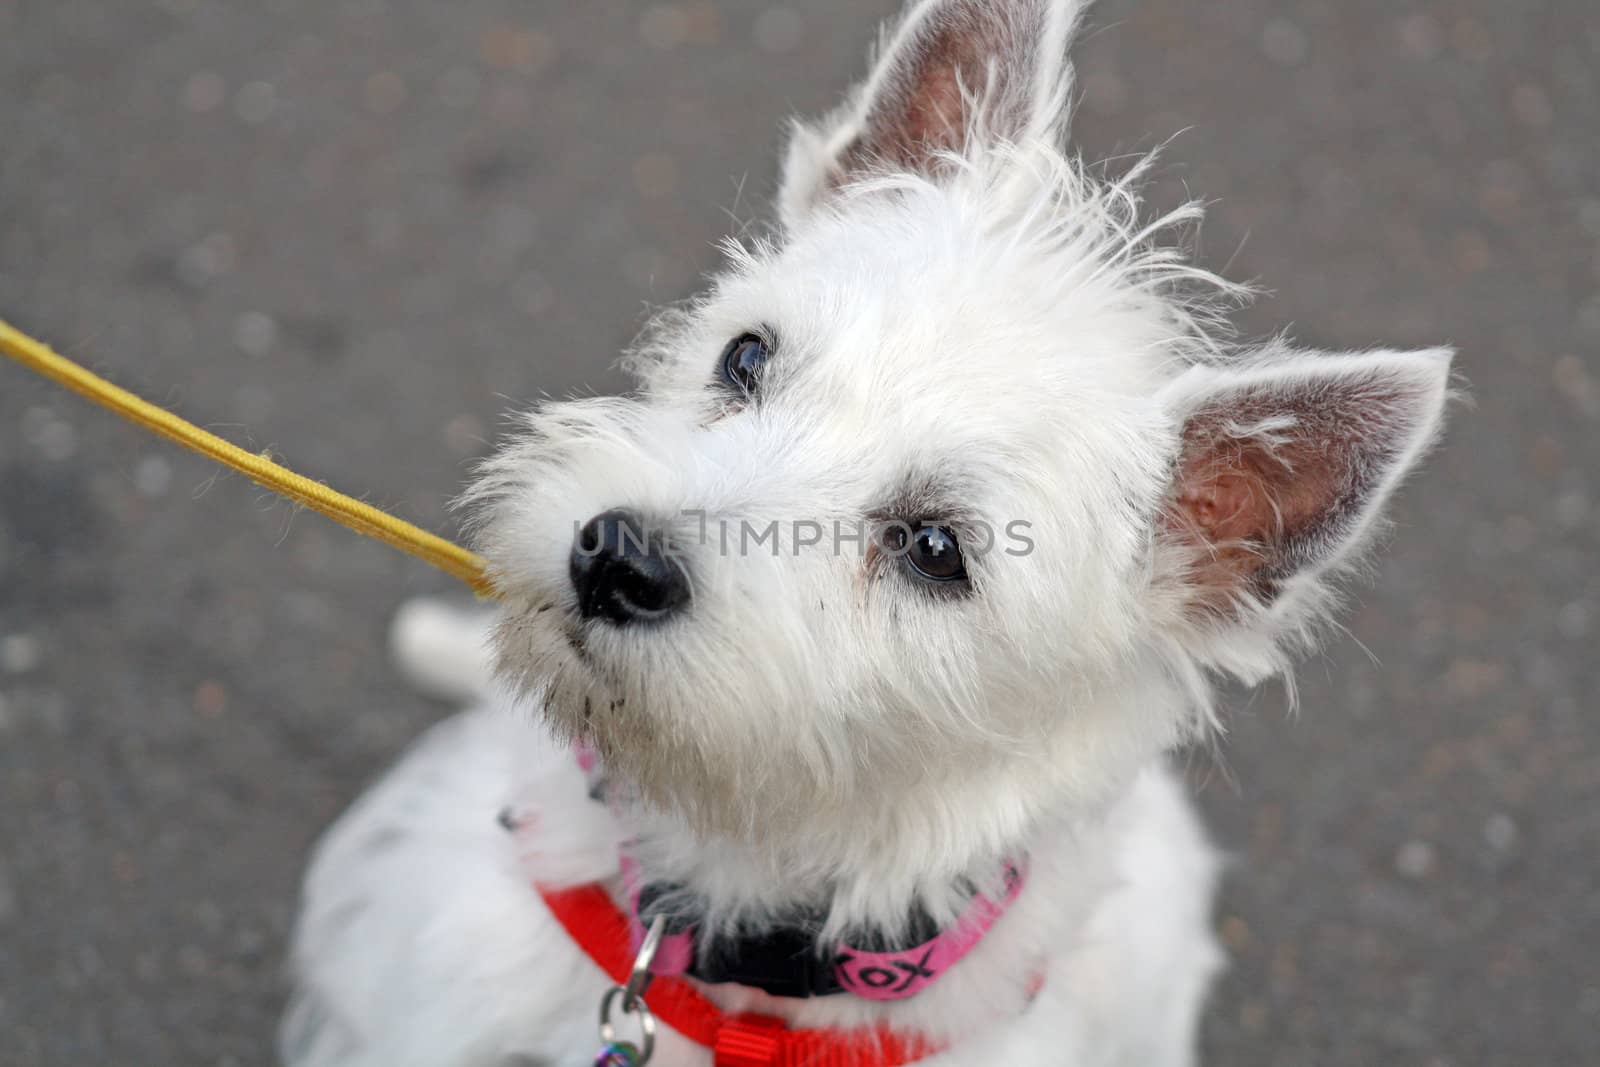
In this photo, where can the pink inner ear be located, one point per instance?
(921, 110)
(1264, 482)
(1277, 474)
(1223, 506)
(1225, 511)
(936, 113)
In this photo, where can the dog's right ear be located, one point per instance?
(953, 76)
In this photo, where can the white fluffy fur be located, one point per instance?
(968, 320)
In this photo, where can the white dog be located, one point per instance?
(880, 606)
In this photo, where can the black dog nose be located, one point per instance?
(622, 571)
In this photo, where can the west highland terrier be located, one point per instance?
(864, 629)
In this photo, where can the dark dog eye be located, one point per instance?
(742, 363)
(932, 551)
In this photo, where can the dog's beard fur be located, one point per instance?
(968, 324)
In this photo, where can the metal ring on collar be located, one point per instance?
(639, 977)
(647, 1022)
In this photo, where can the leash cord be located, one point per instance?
(363, 518)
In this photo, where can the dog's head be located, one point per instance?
(937, 512)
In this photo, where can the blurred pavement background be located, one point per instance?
(358, 232)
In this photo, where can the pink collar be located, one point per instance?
(893, 974)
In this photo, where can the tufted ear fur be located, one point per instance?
(954, 75)
(1285, 462)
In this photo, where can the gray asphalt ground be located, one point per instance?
(358, 232)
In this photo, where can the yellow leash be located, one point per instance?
(362, 518)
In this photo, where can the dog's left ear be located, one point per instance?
(951, 77)
(1283, 467)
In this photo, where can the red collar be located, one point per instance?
(601, 929)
